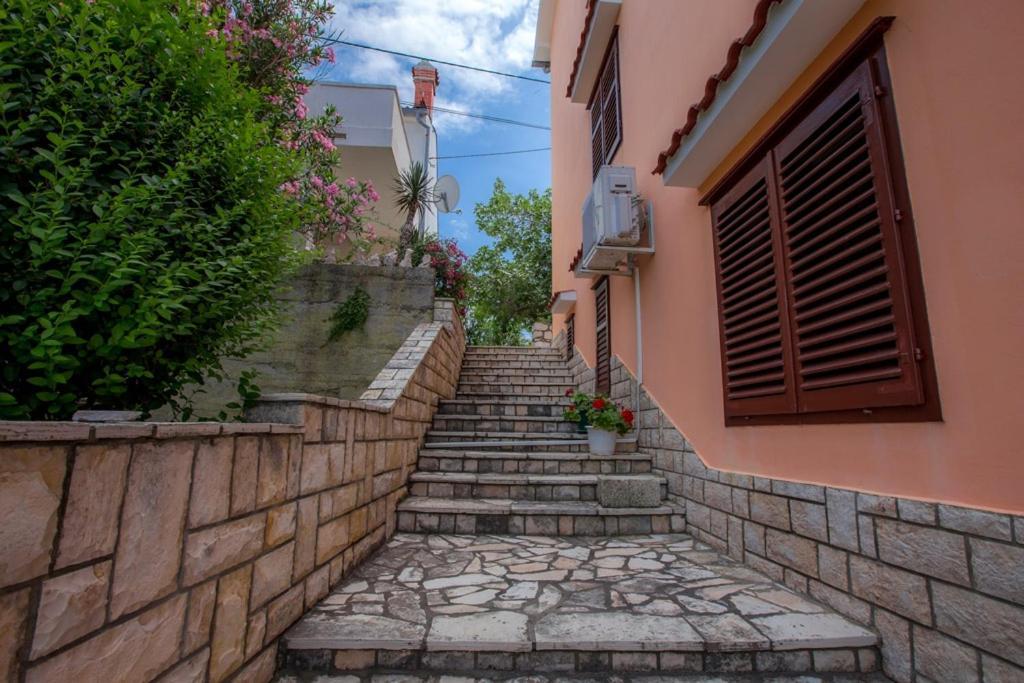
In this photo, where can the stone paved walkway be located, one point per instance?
(523, 593)
(739, 678)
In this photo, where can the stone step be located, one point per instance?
(524, 462)
(432, 668)
(484, 423)
(502, 389)
(423, 514)
(539, 350)
(564, 379)
(530, 441)
(512, 353)
(533, 399)
(538, 406)
(617, 490)
(508, 365)
(568, 608)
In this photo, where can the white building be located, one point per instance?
(380, 138)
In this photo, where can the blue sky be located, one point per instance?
(493, 34)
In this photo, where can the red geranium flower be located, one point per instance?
(568, 392)
(627, 415)
(598, 404)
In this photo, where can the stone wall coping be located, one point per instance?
(321, 400)
(28, 430)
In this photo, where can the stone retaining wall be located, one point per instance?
(300, 358)
(943, 585)
(541, 334)
(184, 550)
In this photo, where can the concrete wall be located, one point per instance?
(300, 359)
(952, 64)
(184, 550)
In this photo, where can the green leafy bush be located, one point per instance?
(143, 229)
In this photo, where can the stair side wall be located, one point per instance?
(197, 545)
(942, 584)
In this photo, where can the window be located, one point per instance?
(570, 336)
(605, 115)
(603, 337)
(821, 311)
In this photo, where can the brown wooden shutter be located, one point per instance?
(596, 138)
(756, 351)
(605, 111)
(570, 336)
(603, 366)
(610, 119)
(852, 331)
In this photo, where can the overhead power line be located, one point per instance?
(495, 154)
(335, 41)
(485, 117)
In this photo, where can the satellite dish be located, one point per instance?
(446, 193)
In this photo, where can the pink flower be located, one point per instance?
(329, 52)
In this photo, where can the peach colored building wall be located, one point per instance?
(955, 68)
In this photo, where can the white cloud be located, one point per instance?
(491, 34)
(458, 228)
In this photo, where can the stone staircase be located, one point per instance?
(500, 459)
(531, 560)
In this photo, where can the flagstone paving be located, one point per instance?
(534, 594)
(739, 678)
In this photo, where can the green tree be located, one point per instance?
(510, 285)
(143, 228)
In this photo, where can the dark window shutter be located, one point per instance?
(605, 111)
(570, 336)
(603, 367)
(852, 329)
(756, 352)
(596, 138)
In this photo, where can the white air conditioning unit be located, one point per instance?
(615, 223)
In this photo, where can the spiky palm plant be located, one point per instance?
(414, 192)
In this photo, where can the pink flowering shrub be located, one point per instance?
(450, 273)
(273, 43)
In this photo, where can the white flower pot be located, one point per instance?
(601, 442)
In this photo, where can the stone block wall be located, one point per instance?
(943, 585)
(541, 334)
(583, 375)
(184, 550)
(300, 358)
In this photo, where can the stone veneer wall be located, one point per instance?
(184, 550)
(943, 585)
(583, 375)
(540, 334)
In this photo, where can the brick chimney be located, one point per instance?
(425, 80)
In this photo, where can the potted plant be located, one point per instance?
(604, 421)
(577, 412)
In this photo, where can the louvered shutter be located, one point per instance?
(756, 351)
(605, 111)
(603, 367)
(610, 92)
(596, 137)
(570, 336)
(852, 332)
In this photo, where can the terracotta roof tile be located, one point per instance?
(711, 87)
(591, 6)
